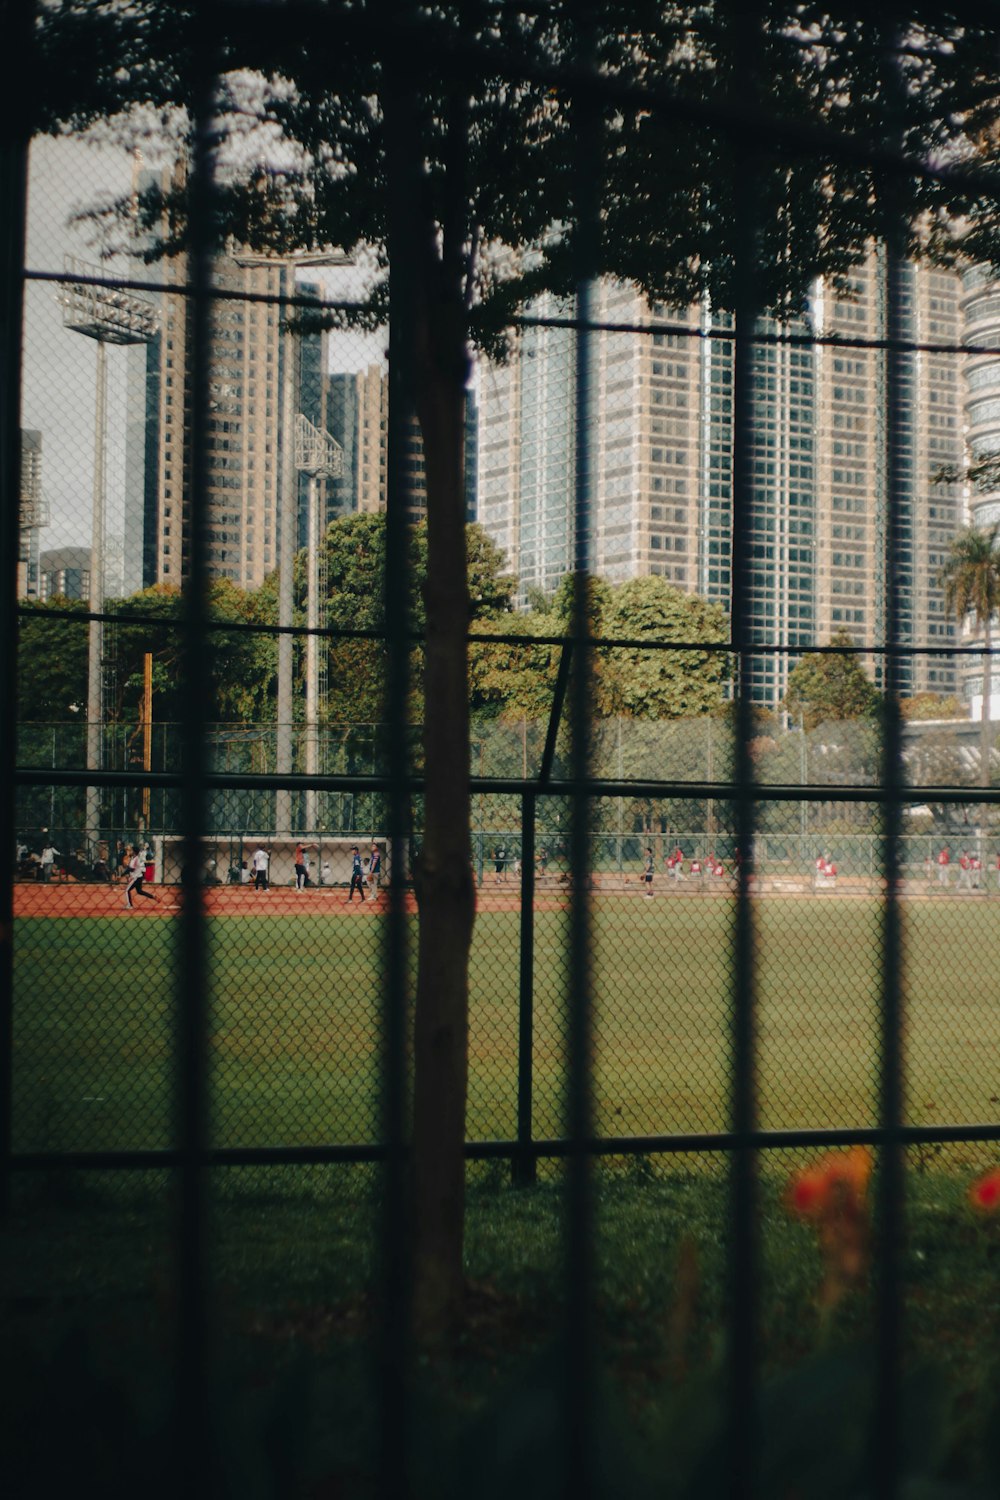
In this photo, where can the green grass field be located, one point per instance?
(294, 1030)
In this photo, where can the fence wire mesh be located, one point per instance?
(727, 705)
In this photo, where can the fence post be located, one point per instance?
(13, 209)
(524, 1166)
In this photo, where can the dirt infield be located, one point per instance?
(69, 899)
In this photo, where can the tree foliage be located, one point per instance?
(924, 706)
(354, 570)
(52, 663)
(683, 682)
(831, 685)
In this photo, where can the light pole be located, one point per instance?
(287, 517)
(319, 456)
(108, 315)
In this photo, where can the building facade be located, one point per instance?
(65, 571)
(661, 423)
(33, 516)
(250, 357)
(981, 329)
(358, 418)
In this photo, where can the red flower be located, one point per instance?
(984, 1193)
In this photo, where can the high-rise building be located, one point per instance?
(243, 476)
(661, 421)
(33, 515)
(358, 418)
(248, 365)
(65, 571)
(981, 332)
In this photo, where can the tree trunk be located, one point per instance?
(429, 296)
(445, 890)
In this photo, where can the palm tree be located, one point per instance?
(971, 582)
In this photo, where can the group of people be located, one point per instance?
(673, 864)
(365, 872)
(970, 869)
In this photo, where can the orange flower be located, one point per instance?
(984, 1193)
(832, 1195)
(840, 1180)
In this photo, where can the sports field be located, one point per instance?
(296, 1000)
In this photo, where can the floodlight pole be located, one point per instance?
(108, 315)
(311, 745)
(288, 517)
(287, 528)
(95, 633)
(317, 455)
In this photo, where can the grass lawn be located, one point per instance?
(88, 1265)
(295, 1021)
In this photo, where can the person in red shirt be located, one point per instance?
(943, 861)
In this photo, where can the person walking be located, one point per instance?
(374, 870)
(259, 864)
(136, 876)
(357, 874)
(943, 861)
(647, 873)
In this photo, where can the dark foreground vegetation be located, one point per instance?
(89, 1323)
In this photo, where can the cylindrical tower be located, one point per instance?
(981, 309)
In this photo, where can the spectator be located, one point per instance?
(374, 870)
(47, 860)
(259, 864)
(357, 875)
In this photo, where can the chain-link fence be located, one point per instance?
(537, 708)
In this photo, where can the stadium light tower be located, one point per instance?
(288, 515)
(319, 456)
(108, 315)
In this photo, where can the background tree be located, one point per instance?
(831, 685)
(242, 663)
(52, 663)
(355, 570)
(971, 581)
(661, 684)
(923, 706)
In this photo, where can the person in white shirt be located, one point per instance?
(259, 865)
(47, 861)
(136, 875)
